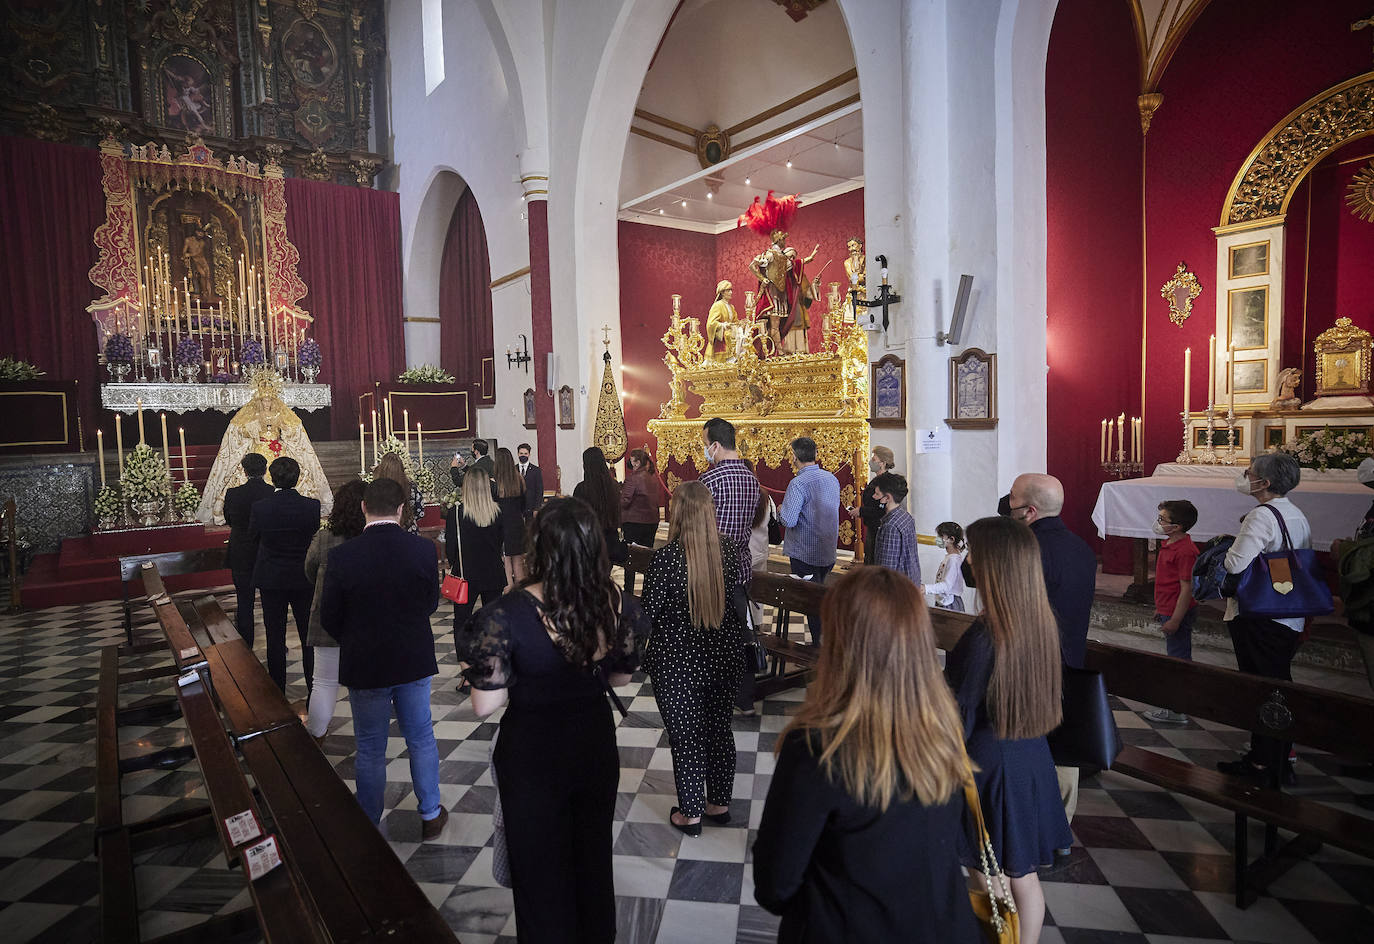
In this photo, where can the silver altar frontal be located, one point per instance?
(184, 397)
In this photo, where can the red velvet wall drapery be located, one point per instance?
(50, 204)
(466, 346)
(349, 239)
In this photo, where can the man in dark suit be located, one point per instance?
(243, 551)
(459, 466)
(283, 524)
(1070, 581)
(379, 591)
(534, 480)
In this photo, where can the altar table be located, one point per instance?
(184, 397)
(1334, 504)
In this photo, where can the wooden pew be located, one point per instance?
(168, 564)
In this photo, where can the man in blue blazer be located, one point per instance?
(379, 591)
(243, 551)
(283, 524)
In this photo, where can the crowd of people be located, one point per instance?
(865, 832)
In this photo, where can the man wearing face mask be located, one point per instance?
(881, 460)
(534, 480)
(896, 545)
(1265, 646)
(810, 511)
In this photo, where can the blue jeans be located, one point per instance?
(817, 574)
(1180, 644)
(372, 720)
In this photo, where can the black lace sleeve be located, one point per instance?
(484, 642)
(631, 630)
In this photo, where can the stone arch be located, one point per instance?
(442, 192)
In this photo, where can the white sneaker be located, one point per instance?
(1165, 716)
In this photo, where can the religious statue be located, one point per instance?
(1287, 398)
(267, 426)
(194, 257)
(785, 293)
(722, 324)
(854, 267)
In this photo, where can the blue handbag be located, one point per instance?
(1285, 584)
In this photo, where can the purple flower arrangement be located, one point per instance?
(309, 354)
(251, 355)
(188, 351)
(119, 349)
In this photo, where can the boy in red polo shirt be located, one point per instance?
(1175, 608)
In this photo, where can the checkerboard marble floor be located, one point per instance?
(1147, 866)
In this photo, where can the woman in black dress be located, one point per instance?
(862, 828)
(602, 492)
(509, 491)
(695, 656)
(1005, 672)
(473, 541)
(548, 651)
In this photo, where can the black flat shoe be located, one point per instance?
(1243, 768)
(720, 819)
(687, 829)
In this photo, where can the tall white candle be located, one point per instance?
(140, 421)
(420, 441)
(405, 418)
(185, 474)
(1120, 437)
(1231, 378)
(1187, 378)
(1211, 371)
(119, 442)
(1108, 423)
(100, 453)
(1102, 443)
(362, 448)
(166, 449)
(374, 437)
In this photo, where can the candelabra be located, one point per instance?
(1184, 456)
(1230, 437)
(1210, 457)
(1121, 467)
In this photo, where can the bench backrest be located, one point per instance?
(174, 563)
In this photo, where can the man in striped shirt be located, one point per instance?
(897, 530)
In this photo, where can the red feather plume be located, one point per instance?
(770, 215)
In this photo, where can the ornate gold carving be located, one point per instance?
(316, 166)
(609, 430)
(110, 127)
(847, 533)
(184, 12)
(1180, 292)
(713, 146)
(1148, 104)
(1266, 181)
(364, 169)
(674, 480)
(1342, 356)
(847, 496)
(45, 123)
(1359, 195)
(308, 8)
(797, 9)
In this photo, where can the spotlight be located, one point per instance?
(684, 204)
(746, 181)
(789, 163)
(710, 195)
(660, 211)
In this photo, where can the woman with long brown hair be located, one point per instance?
(695, 656)
(860, 835)
(346, 521)
(1006, 675)
(509, 491)
(547, 651)
(601, 491)
(391, 467)
(640, 499)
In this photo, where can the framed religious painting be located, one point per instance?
(529, 408)
(973, 390)
(1342, 356)
(565, 408)
(887, 392)
(1249, 259)
(1248, 318)
(1250, 376)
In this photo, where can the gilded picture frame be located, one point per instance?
(1221, 437)
(973, 390)
(1248, 259)
(529, 401)
(565, 408)
(1250, 376)
(1180, 292)
(1247, 318)
(1342, 353)
(1274, 436)
(887, 392)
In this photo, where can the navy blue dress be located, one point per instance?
(1016, 782)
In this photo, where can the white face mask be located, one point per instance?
(1243, 484)
(875, 466)
(1160, 529)
(706, 450)
(1365, 473)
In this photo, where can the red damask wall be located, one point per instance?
(656, 262)
(1240, 70)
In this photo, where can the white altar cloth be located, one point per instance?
(184, 397)
(1334, 508)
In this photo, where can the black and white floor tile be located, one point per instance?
(1147, 866)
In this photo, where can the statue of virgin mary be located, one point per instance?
(265, 425)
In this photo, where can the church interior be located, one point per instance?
(977, 236)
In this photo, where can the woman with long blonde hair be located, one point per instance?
(1006, 675)
(860, 835)
(391, 467)
(473, 543)
(695, 656)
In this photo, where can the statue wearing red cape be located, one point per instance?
(785, 293)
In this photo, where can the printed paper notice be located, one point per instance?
(190, 652)
(933, 440)
(242, 827)
(262, 858)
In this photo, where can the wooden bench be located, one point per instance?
(168, 564)
(1303, 714)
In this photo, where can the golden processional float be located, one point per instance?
(771, 396)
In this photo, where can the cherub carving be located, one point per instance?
(1287, 399)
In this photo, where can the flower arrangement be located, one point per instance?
(188, 351)
(119, 349)
(1329, 449)
(426, 374)
(108, 503)
(145, 477)
(12, 369)
(449, 499)
(424, 480)
(309, 354)
(252, 354)
(187, 500)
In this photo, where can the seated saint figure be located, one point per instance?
(722, 324)
(267, 426)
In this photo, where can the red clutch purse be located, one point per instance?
(454, 588)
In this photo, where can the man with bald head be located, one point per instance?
(1070, 565)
